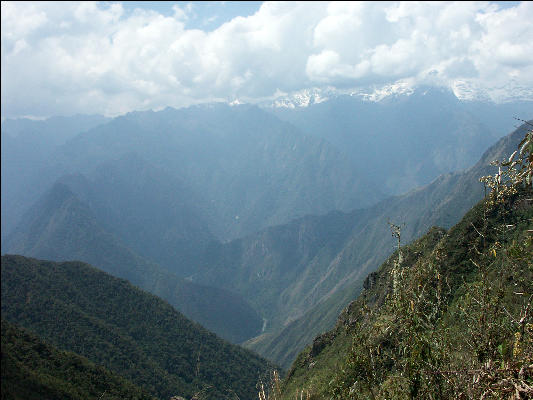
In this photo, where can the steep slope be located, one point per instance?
(249, 169)
(447, 318)
(283, 345)
(25, 152)
(332, 346)
(330, 275)
(34, 370)
(81, 309)
(280, 269)
(417, 137)
(152, 212)
(60, 227)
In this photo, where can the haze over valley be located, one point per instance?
(182, 216)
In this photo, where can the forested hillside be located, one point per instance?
(78, 308)
(34, 370)
(61, 227)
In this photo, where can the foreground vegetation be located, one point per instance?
(447, 317)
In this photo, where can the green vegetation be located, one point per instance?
(446, 317)
(62, 227)
(285, 345)
(81, 309)
(301, 275)
(153, 177)
(33, 370)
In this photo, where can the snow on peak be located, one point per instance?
(512, 91)
(302, 98)
(306, 97)
(463, 90)
(394, 89)
(236, 102)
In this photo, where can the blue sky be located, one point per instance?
(204, 15)
(61, 58)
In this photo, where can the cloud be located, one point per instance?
(63, 58)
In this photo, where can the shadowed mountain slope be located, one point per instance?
(27, 146)
(137, 335)
(34, 370)
(152, 212)
(245, 168)
(60, 227)
(406, 141)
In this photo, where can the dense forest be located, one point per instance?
(78, 308)
(34, 370)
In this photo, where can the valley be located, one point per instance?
(278, 252)
(243, 200)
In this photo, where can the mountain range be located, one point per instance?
(406, 140)
(243, 168)
(259, 223)
(317, 265)
(61, 227)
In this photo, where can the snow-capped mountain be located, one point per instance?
(462, 89)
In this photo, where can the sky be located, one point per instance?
(64, 58)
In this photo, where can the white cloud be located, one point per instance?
(62, 58)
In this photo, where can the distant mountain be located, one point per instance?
(300, 275)
(245, 168)
(152, 212)
(34, 370)
(279, 199)
(54, 130)
(26, 150)
(61, 227)
(406, 140)
(281, 269)
(78, 308)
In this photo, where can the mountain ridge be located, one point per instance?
(444, 202)
(406, 328)
(61, 227)
(82, 309)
